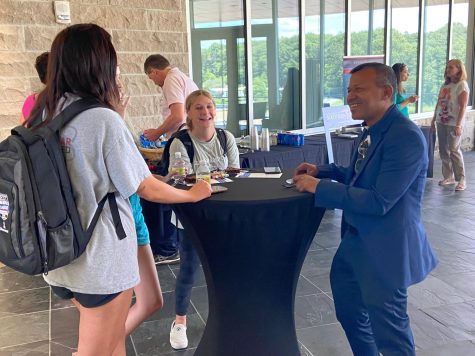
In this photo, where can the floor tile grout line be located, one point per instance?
(317, 326)
(22, 290)
(62, 345)
(23, 314)
(305, 347)
(22, 344)
(50, 321)
(313, 284)
(133, 344)
(198, 312)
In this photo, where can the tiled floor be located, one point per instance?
(442, 308)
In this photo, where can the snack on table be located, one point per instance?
(218, 174)
(232, 170)
(191, 178)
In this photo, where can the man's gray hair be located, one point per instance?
(155, 61)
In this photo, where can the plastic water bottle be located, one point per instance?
(179, 168)
(202, 172)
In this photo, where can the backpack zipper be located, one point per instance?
(42, 229)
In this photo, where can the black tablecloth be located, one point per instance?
(252, 241)
(315, 151)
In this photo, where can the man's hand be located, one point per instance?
(306, 168)
(306, 183)
(151, 134)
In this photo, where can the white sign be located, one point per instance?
(335, 117)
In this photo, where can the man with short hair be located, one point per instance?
(176, 86)
(384, 248)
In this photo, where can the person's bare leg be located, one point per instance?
(148, 294)
(102, 329)
(180, 319)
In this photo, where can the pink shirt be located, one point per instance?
(176, 87)
(28, 106)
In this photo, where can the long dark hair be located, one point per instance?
(398, 68)
(82, 61)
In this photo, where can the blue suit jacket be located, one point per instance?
(383, 201)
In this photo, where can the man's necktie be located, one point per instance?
(362, 149)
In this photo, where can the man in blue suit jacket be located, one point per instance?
(384, 247)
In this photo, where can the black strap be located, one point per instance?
(185, 139)
(180, 127)
(60, 120)
(223, 140)
(119, 229)
(71, 111)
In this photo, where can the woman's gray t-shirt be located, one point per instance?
(101, 157)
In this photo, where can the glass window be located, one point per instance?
(219, 63)
(434, 55)
(367, 27)
(460, 13)
(404, 39)
(217, 40)
(325, 38)
(275, 66)
(333, 52)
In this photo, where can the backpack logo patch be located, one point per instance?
(4, 210)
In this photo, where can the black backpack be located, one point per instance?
(184, 137)
(40, 228)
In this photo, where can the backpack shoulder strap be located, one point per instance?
(119, 228)
(223, 140)
(185, 138)
(63, 118)
(71, 111)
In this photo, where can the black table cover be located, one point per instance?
(252, 241)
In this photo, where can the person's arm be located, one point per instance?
(409, 100)
(157, 191)
(170, 124)
(403, 161)
(432, 123)
(307, 176)
(462, 102)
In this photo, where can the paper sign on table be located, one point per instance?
(258, 175)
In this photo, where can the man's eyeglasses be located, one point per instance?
(362, 149)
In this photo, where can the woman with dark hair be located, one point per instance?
(400, 97)
(101, 157)
(449, 117)
(41, 64)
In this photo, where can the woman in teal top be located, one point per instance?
(400, 97)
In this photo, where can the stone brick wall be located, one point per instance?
(138, 28)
